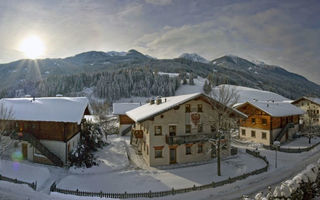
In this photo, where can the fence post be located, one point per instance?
(35, 185)
(100, 194)
(150, 194)
(194, 187)
(77, 192)
(172, 191)
(0, 177)
(213, 184)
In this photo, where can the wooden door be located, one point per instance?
(25, 150)
(173, 155)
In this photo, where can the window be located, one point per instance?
(213, 129)
(253, 134)
(199, 107)
(158, 152)
(253, 120)
(200, 128)
(188, 128)
(317, 111)
(188, 150)
(157, 130)
(264, 121)
(264, 135)
(243, 132)
(172, 130)
(188, 108)
(200, 148)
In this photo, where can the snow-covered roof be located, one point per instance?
(251, 94)
(149, 110)
(54, 109)
(312, 99)
(276, 109)
(122, 108)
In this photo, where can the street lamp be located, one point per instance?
(276, 144)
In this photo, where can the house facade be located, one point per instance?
(269, 121)
(176, 130)
(120, 109)
(49, 127)
(311, 106)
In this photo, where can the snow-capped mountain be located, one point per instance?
(194, 57)
(116, 53)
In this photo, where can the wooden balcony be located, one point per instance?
(137, 133)
(189, 138)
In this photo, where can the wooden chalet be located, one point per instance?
(269, 121)
(125, 122)
(49, 127)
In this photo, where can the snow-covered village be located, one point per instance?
(159, 99)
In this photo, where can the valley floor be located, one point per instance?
(116, 174)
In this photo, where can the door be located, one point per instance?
(172, 130)
(172, 155)
(25, 150)
(213, 151)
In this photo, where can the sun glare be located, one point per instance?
(32, 47)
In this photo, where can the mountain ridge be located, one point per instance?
(226, 69)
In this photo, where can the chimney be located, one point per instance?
(158, 100)
(151, 101)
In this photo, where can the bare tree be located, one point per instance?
(223, 118)
(6, 131)
(310, 126)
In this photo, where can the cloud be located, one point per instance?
(159, 2)
(269, 35)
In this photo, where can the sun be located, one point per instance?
(32, 47)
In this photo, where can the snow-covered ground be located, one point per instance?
(116, 174)
(189, 89)
(124, 177)
(301, 142)
(24, 172)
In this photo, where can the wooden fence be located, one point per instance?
(32, 185)
(173, 191)
(292, 150)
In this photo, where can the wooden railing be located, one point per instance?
(189, 138)
(44, 150)
(33, 185)
(283, 131)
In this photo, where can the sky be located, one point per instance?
(284, 33)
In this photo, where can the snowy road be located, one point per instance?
(288, 166)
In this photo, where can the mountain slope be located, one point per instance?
(194, 57)
(20, 77)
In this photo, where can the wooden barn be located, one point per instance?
(269, 121)
(49, 127)
(125, 122)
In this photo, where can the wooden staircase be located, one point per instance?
(127, 130)
(44, 150)
(284, 131)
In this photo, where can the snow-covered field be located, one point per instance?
(117, 174)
